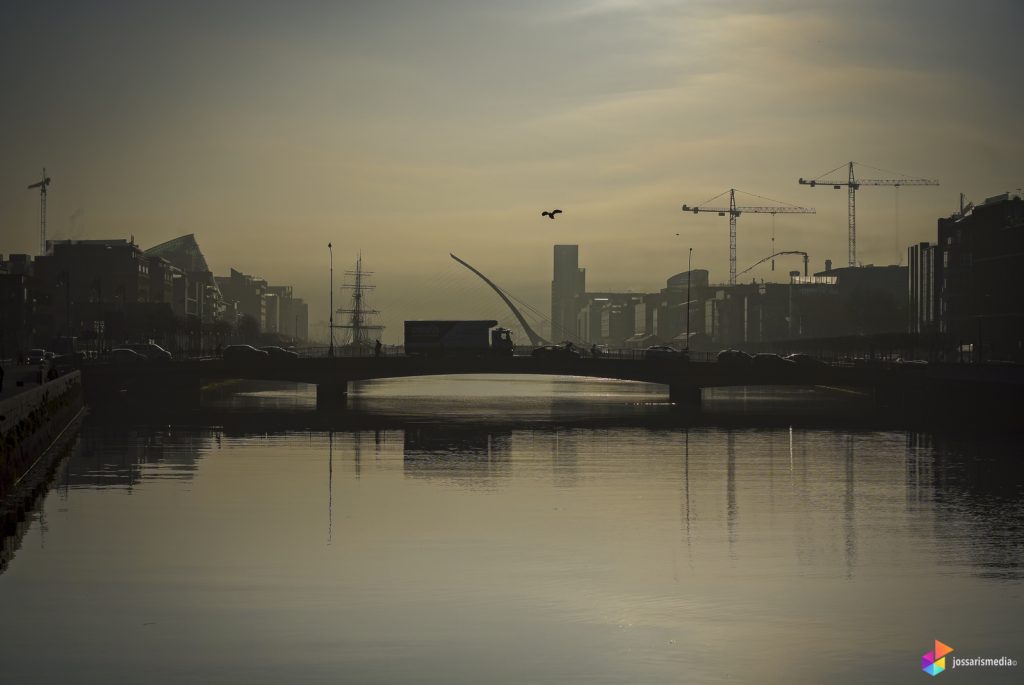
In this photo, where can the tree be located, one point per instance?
(248, 328)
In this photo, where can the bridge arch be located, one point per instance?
(535, 339)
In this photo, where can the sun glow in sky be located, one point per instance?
(412, 129)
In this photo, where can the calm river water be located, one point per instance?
(523, 530)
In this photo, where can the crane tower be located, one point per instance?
(42, 184)
(733, 210)
(853, 184)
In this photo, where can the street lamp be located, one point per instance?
(330, 325)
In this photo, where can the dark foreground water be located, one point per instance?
(490, 531)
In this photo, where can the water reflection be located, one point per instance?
(685, 503)
(608, 546)
(959, 488)
(110, 456)
(976, 490)
(849, 529)
(464, 455)
(730, 490)
(330, 486)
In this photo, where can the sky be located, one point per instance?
(408, 130)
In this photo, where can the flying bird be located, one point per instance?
(551, 214)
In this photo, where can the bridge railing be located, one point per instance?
(348, 351)
(520, 351)
(605, 353)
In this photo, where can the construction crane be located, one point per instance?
(773, 256)
(734, 211)
(854, 184)
(42, 209)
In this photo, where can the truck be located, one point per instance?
(457, 338)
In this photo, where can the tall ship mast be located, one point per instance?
(363, 331)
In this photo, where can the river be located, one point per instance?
(525, 530)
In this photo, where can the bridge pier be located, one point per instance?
(684, 395)
(332, 395)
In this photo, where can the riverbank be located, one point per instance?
(36, 428)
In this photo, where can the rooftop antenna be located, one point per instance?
(42, 184)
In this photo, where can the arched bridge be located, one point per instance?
(332, 375)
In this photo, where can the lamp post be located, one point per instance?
(689, 281)
(330, 319)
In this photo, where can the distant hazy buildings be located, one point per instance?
(568, 284)
(272, 312)
(639, 320)
(290, 314)
(690, 312)
(248, 293)
(274, 308)
(97, 294)
(201, 297)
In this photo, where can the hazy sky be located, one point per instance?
(413, 129)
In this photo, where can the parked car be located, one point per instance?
(244, 353)
(35, 356)
(123, 356)
(734, 358)
(567, 351)
(150, 351)
(663, 352)
(770, 360)
(805, 360)
(276, 352)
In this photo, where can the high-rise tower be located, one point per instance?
(569, 282)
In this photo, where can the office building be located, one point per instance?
(202, 296)
(248, 293)
(981, 303)
(921, 301)
(568, 284)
